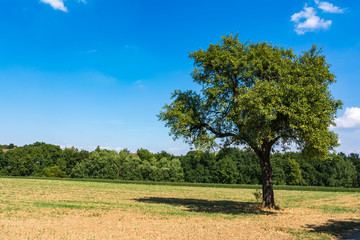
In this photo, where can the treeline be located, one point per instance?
(227, 166)
(290, 168)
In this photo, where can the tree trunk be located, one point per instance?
(267, 183)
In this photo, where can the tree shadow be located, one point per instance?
(206, 206)
(337, 228)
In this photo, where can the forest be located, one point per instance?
(231, 165)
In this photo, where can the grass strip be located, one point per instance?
(187, 184)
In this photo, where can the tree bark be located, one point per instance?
(267, 183)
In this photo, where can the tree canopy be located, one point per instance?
(258, 95)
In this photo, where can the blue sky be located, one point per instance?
(87, 73)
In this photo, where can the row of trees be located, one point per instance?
(41, 159)
(290, 168)
(230, 165)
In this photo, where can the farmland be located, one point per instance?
(62, 209)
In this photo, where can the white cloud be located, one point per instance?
(65, 146)
(56, 4)
(59, 4)
(118, 149)
(350, 119)
(329, 7)
(175, 150)
(308, 21)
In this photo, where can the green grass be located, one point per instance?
(335, 209)
(62, 205)
(302, 235)
(186, 184)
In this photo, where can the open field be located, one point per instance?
(54, 209)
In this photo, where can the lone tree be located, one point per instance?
(257, 95)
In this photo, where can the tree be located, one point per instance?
(102, 164)
(197, 166)
(225, 171)
(344, 172)
(258, 95)
(72, 156)
(293, 172)
(144, 154)
(355, 159)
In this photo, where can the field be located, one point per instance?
(61, 209)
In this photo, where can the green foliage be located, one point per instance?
(279, 177)
(144, 154)
(73, 156)
(30, 160)
(100, 164)
(54, 171)
(225, 171)
(130, 168)
(247, 162)
(293, 172)
(198, 166)
(10, 146)
(257, 194)
(355, 159)
(163, 154)
(256, 94)
(230, 166)
(343, 172)
(106, 164)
